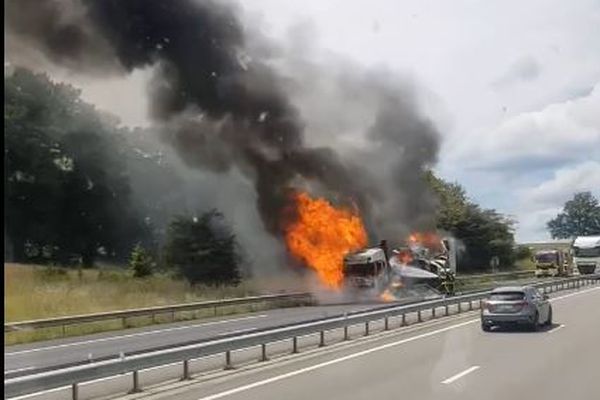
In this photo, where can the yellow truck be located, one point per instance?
(552, 262)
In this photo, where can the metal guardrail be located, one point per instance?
(123, 315)
(525, 273)
(152, 311)
(74, 376)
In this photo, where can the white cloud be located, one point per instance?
(556, 135)
(539, 204)
(524, 69)
(582, 177)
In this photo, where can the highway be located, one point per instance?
(42, 356)
(443, 359)
(22, 359)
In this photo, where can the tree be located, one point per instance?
(484, 233)
(140, 262)
(67, 192)
(523, 253)
(203, 250)
(579, 217)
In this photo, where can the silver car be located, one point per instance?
(516, 305)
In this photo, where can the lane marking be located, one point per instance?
(110, 338)
(355, 355)
(334, 361)
(557, 328)
(460, 375)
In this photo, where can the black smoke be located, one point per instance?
(221, 108)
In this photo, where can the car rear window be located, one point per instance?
(507, 296)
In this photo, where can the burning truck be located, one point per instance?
(374, 270)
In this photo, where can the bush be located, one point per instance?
(523, 253)
(203, 250)
(140, 262)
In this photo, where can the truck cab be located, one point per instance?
(549, 262)
(367, 269)
(586, 254)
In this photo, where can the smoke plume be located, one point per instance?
(223, 108)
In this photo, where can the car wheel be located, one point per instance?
(535, 325)
(549, 320)
(486, 328)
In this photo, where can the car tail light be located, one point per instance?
(521, 305)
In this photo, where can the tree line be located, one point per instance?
(80, 188)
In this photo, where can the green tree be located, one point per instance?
(66, 184)
(579, 217)
(484, 233)
(140, 262)
(523, 253)
(203, 250)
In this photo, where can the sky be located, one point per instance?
(513, 86)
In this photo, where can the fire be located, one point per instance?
(404, 256)
(428, 240)
(387, 296)
(322, 235)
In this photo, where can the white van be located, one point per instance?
(586, 254)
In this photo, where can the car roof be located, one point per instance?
(504, 289)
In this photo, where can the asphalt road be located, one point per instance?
(444, 359)
(23, 359)
(42, 356)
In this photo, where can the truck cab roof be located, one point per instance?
(586, 242)
(365, 256)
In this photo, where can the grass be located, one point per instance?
(34, 292)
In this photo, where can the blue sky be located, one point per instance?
(513, 86)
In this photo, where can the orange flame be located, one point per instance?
(322, 235)
(429, 240)
(404, 256)
(387, 296)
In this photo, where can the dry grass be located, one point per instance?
(33, 292)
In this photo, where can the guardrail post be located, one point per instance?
(263, 352)
(173, 316)
(447, 311)
(136, 383)
(386, 324)
(64, 330)
(403, 323)
(228, 364)
(367, 328)
(346, 336)
(459, 307)
(419, 316)
(215, 309)
(294, 345)
(480, 304)
(75, 391)
(186, 371)
(124, 322)
(470, 305)
(322, 339)
(433, 312)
